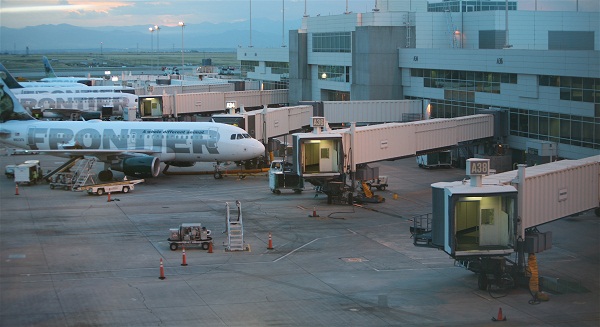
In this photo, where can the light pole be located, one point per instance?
(151, 46)
(182, 24)
(157, 29)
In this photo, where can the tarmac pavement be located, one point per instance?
(70, 259)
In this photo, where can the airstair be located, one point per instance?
(235, 228)
(83, 172)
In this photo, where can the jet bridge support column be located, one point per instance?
(519, 230)
(352, 167)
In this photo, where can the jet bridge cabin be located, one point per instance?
(471, 219)
(319, 159)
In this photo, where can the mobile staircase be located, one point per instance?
(234, 228)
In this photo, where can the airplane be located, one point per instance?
(134, 148)
(81, 102)
(57, 105)
(59, 87)
(52, 77)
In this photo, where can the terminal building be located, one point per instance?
(539, 68)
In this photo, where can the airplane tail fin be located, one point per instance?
(10, 107)
(48, 68)
(8, 79)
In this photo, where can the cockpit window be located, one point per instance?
(240, 136)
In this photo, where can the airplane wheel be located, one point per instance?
(173, 246)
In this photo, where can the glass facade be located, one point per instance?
(332, 42)
(574, 88)
(459, 100)
(559, 128)
(334, 95)
(464, 81)
(272, 85)
(282, 68)
(470, 5)
(334, 73)
(247, 66)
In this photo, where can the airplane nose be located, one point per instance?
(256, 148)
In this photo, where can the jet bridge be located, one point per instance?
(325, 157)
(480, 221)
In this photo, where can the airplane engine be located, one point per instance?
(142, 166)
(180, 163)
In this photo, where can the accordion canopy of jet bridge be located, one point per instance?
(554, 190)
(399, 140)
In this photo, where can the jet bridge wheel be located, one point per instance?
(482, 281)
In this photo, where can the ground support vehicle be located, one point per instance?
(282, 177)
(28, 172)
(9, 171)
(189, 234)
(435, 160)
(62, 180)
(100, 189)
(367, 196)
(379, 183)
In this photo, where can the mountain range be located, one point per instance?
(64, 37)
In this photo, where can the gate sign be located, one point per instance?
(477, 167)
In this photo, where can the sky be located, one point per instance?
(95, 13)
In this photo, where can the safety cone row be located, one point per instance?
(162, 270)
(184, 261)
(270, 246)
(16, 189)
(500, 317)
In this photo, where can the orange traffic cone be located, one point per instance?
(210, 249)
(16, 189)
(270, 246)
(314, 214)
(108, 200)
(184, 262)
(500, 317)
(162, 270)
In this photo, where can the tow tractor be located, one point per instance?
(189, 234)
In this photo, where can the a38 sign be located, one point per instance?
(479, 167)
